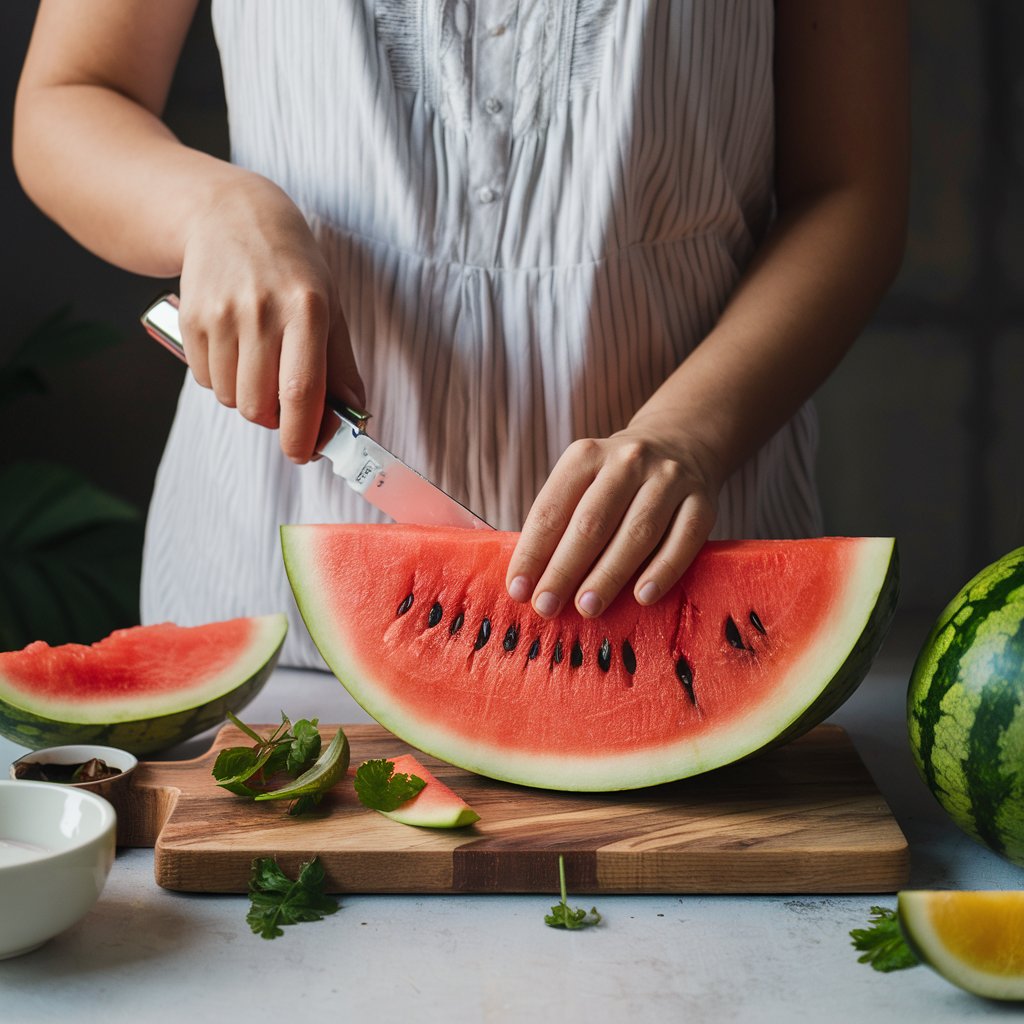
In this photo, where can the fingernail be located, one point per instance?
(590, 603)
(519, 589)
(649, 593)
(546, 604)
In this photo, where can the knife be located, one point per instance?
(382, 478)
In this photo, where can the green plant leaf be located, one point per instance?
(60, 338)
(70, 557)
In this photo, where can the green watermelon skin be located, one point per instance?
(399, 615)
(129, 726)
(965, 708)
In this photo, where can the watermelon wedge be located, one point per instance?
(140, 689)
(434, 806)
(758, 642)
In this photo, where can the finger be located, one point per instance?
(302, 379)
(222, 360)
(644, 524)
(195, 342)
(686, 536)
(548, 520)
(258, 354)
(343, 379)
(593, 523)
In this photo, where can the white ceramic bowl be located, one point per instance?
(56, 849)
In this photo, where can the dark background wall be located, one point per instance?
(923, 425)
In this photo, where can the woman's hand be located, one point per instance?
(260, 317)
(608, 507)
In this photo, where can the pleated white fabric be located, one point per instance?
(534, 208)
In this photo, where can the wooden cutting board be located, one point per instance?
(805, 818)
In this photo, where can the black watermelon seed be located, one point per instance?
(511, 638)
(685, 675)
(435, 615)
(628, 657)
(732, 634)
(457, 623)
(484, 635)
(576, 655)
(404, 606)
(556, 658)
(604, 655)
(534, 650)
(756, 622)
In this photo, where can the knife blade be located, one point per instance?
(372, 471)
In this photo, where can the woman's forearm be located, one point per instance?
(113, 175)
(795, 313)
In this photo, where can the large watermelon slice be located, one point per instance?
(140, 689)
(758, 642)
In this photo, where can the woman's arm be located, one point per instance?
(842, 172)
(259, 311)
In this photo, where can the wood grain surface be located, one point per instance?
(805, 818)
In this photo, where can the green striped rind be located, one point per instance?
(863, 653)
(965, 708)
(142, 735)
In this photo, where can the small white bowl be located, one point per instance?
(56, 849)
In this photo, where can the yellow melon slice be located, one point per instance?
(973, 939)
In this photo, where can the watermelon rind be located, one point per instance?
(142, 725)
(965, 707)
(931, 948)
(832, 665)
(435, 806)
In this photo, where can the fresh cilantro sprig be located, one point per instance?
(882, 944)
(277, 900)
(564, 916)
(381, 788)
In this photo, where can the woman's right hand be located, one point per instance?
(260, 317)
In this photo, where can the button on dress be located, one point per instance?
(534, 211)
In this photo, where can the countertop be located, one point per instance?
(147, 955)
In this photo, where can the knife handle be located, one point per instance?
(160, 320)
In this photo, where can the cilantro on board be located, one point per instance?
(277, 900)
(564, 916)
(379, 787)
(882, 945)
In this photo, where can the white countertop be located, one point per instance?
(147, 955)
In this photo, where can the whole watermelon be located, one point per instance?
(965, 708)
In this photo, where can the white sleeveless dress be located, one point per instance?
(534, 210)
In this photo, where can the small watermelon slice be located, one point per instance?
(142, 688)
(758, 642)
(973, 939)
(434, 806)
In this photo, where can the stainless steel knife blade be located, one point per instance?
(382, 478)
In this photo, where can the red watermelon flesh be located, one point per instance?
(141, 688)
(758, 642)
(434, 806)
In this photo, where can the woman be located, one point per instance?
(586, 261)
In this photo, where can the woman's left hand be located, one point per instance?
(610, 506)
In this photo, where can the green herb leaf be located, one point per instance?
(883, 945)
(564, 916)
(304, 748)
(276, 900)
(329, 767)
(380, 788)
(234, 765)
